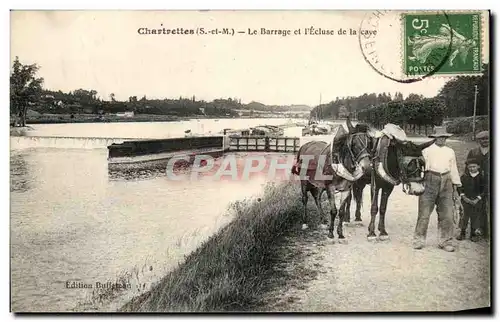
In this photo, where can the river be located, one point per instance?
(71, 222)
(150, 129)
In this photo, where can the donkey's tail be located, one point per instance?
(296, 165)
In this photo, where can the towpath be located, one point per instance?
(365, 276)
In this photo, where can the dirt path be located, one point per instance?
(384, 276)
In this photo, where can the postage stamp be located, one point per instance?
(445, 43)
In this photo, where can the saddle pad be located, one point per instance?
(381, 154)
(411, 165)
(314, 149)
(394, 131)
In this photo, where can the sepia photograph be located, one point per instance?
(241, 161)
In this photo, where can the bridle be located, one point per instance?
(364, 150)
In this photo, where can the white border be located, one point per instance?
(185, 4)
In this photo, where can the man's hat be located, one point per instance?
(483, 135)
(440, 131)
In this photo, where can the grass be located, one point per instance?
(226, 272)
(137, 280)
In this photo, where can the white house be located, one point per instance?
(125, 114)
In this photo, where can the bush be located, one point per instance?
(463, 125)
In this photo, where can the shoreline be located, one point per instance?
(87, 118)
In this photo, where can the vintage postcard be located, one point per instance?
(250, 161)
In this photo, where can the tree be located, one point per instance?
(414, 97)
(458, 95)
(85, 97)
(398, 96)
(112, 97)
(25, 89)
(414, 112)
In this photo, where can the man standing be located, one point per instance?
(441, 182)
(482, 154)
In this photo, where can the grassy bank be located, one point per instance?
(226, 272)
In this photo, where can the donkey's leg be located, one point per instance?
(386, 192)
(373, 212)
(344, 195)
(345, 210)
(316, 193)
(333, 211)
(304, 189)
(357, 191)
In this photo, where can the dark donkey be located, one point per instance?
(318, 173)
(395, 161)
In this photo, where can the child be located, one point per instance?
(471, 194)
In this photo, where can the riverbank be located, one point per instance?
(228, 272)
(92, 118)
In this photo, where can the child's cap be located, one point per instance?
(472, 161)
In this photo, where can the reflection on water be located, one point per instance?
(71, 222)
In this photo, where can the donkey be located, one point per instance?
(318, 174)
(395, 161)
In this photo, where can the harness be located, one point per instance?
(321, 148)
(364, 151)
(411, 168)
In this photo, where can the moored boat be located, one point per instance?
(267, 130)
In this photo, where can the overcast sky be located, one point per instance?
(103, 51)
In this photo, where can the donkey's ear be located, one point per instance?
(372, 132)
(350, 127)
(426, 144)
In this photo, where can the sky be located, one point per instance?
(102, 50)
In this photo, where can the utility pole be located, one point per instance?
(319, 109)
(474, 115)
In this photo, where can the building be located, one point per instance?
(125, 114)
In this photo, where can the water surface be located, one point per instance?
(71, 221)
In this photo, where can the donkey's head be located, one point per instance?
(411, 165)
(356, 151)
(359, 144)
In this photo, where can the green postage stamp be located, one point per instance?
(442, 43)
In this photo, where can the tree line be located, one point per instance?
(27, 92)
(85, 101)
(455, 99)
(411, 114)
